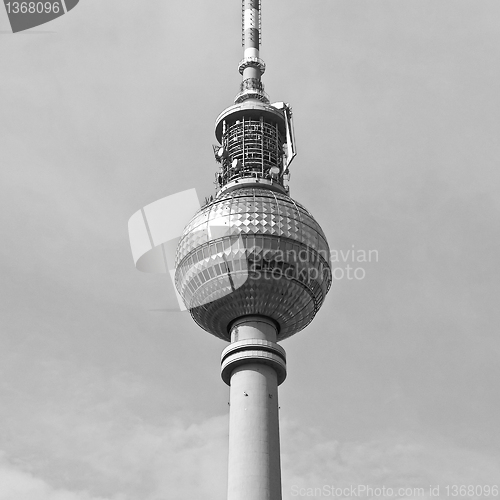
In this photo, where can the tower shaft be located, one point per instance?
(254, 365)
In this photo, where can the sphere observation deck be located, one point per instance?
(253, 251)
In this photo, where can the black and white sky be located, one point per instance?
(107, 391)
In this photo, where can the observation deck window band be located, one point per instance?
(253, 355)
(275, 363)
(249, 350)
(253, 345)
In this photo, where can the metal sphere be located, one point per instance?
(253, 251)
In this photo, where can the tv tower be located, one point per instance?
(253, 267)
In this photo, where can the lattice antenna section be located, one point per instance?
(254, 148)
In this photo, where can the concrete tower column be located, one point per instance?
(254, 365)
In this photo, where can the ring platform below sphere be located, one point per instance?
(253, 251)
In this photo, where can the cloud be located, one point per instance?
(394, 461)
(17, 484)
(119, 460)
(103, 456)
(107, 442)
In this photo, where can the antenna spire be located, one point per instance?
(251, 66)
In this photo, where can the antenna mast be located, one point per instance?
(251, 66)
(256, 139)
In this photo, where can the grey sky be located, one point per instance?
(396, 382)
